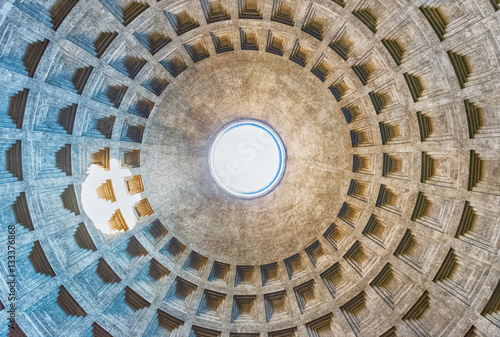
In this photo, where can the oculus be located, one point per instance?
(247, 159)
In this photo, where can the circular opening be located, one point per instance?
(247, 159)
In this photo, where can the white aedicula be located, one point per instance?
(247, 159)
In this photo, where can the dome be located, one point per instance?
(378, 213)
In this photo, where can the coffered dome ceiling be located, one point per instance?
(385, 223)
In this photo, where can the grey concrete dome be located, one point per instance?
(385, 223)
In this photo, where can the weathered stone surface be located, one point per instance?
(386, 222)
